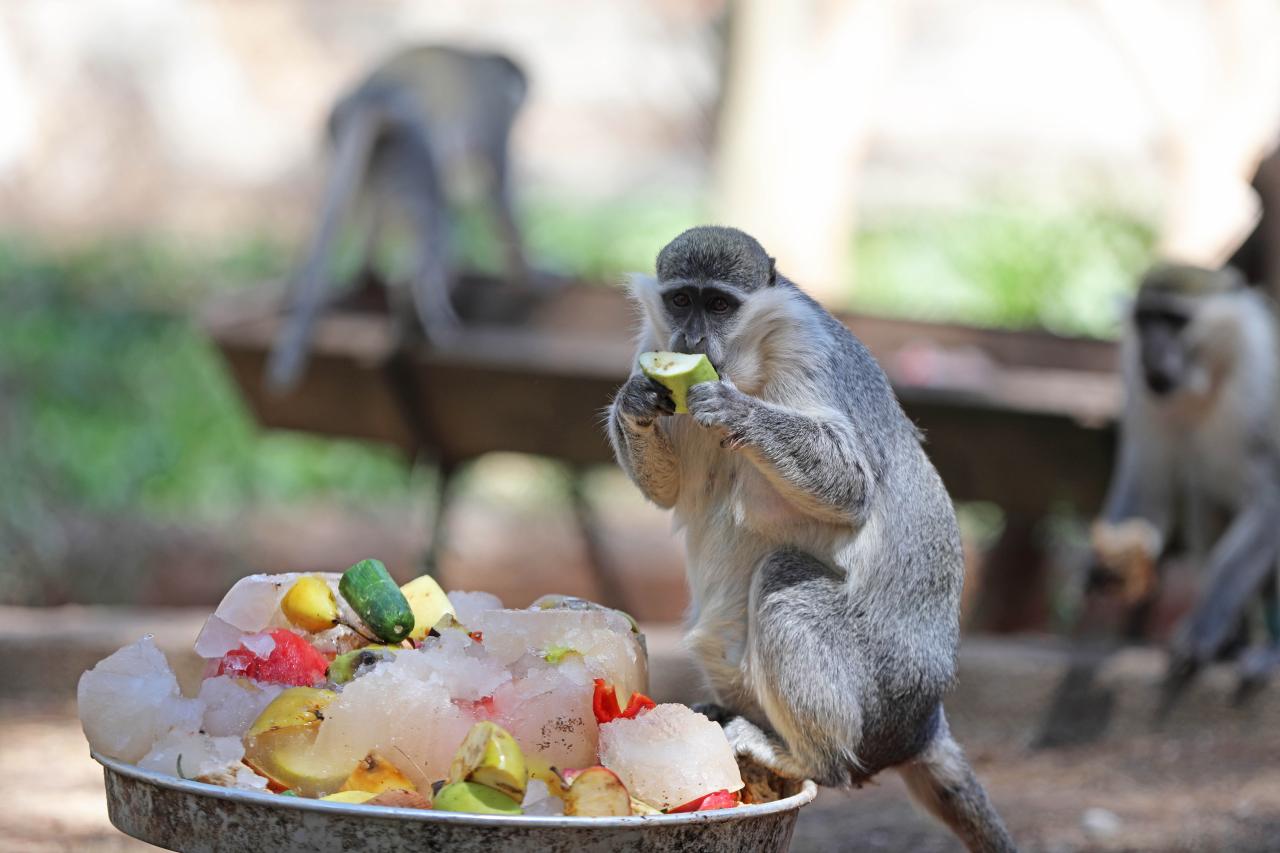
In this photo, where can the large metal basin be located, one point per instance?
(195, 818)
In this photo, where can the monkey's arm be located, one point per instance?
(1142, 484)
(305, 296)
(1134, 525)
(641, 444)
(816, 463)
(1238, 565)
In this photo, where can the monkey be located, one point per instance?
(407, 140)
(1200, 435)
(822, 550)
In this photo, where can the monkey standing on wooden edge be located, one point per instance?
(823, 554)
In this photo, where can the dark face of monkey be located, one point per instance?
(1162, 346)
(704, 276)
(1169, 297)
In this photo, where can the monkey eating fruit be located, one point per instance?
(822, 550)
(678, 372)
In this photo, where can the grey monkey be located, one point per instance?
(823, 554)
(1200, 437)
(425, 130)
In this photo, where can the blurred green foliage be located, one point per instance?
(111, 399)
(1004, 266)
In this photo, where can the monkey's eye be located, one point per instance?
(681, 300)
(718, 305)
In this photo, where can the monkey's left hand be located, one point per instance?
(721, 406)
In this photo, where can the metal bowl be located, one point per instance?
(194, 817)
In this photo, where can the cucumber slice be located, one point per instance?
(678, 372)
(376, 599)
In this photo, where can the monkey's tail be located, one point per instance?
(943, 784)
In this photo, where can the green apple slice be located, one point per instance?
(490, 756)
(679, 372)
(474, 798)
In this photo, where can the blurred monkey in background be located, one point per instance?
(424, 131)
(1200, 439)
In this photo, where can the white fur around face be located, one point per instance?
(731, 515)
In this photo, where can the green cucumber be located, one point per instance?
(679, 372)
(377, 600)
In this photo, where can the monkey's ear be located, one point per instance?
(773, 272)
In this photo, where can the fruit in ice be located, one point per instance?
(490, 756)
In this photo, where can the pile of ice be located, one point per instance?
(669, 755)
(131, 699)
(531, 671)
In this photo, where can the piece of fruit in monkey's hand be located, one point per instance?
(678, 372)
(1128, 549)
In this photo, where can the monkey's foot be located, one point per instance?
(1181, 671)
(751, 744)
(1256, 667)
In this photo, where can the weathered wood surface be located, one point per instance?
(1023, 419)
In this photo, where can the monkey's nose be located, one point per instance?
(697, 346)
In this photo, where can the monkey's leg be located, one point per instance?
(943, 783)
(808, 646)
(806, 672)
(1238, 566)
(515, 262)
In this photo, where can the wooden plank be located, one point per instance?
(1022, 436)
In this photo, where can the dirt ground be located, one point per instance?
(1210, 781)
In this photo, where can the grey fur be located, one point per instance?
(722, 254)
(422, 116)
(824, 558)
(1211, 438)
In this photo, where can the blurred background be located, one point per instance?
(976, 185)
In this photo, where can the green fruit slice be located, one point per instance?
(376, 599)
(678, 372)
(474, 798)
(490, 756)
(348, 665)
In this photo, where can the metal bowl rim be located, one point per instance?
(808, 791)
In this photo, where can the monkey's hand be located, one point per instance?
(721, 406)
(641, 400)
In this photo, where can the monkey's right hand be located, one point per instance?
(641, 400)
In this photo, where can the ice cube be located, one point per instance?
(261, 645)
(130, 699)
(253, 605)
(215, 760)
(548, 711)
(467, 605)
(404, 710)
(669, 755)
(232, 704)
(538, 800)
(602, 638)
(192, 756)
(465, 667)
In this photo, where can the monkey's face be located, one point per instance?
(700, 317)
(1164, 345)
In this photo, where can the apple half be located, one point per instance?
(597, 792)
(678, 372)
